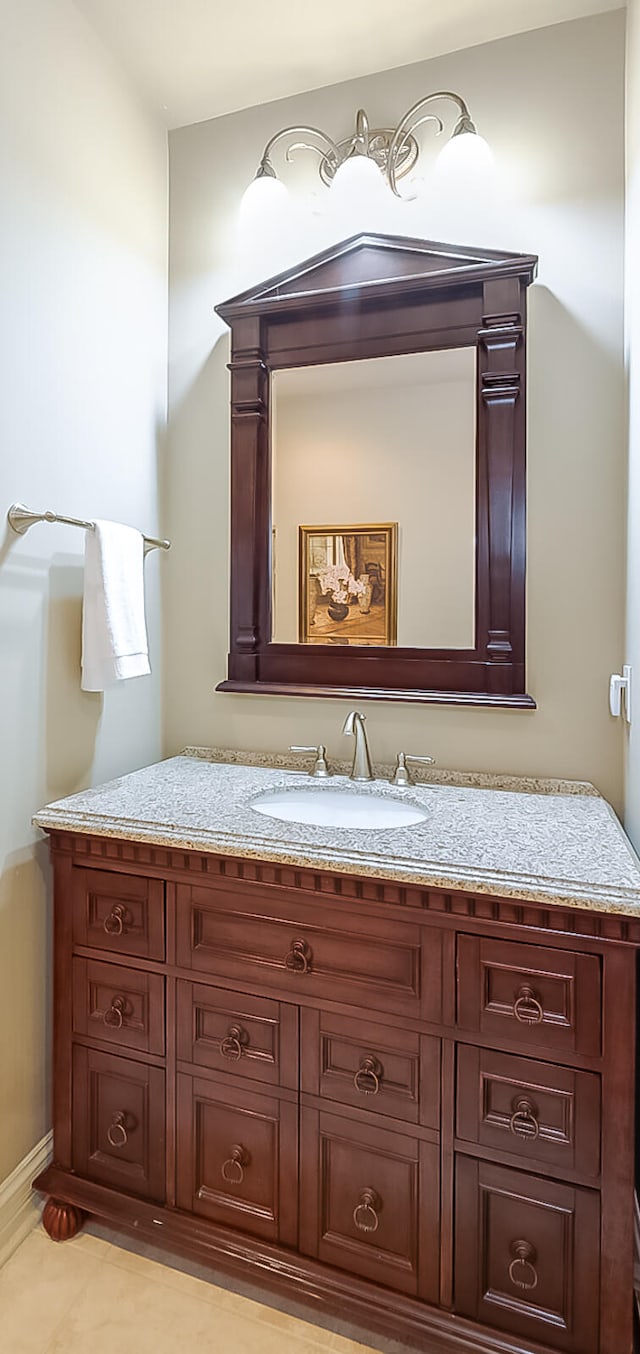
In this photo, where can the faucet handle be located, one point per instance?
(401, 774)
(320, 768)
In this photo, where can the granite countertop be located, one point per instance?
(546, 841)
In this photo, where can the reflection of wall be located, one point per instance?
(83, 284)
(383, 453)
(562, 199)
(632, 654)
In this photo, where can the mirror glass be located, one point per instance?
(373, 525)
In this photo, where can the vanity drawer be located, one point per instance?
(238, 1163)
(371, 1202)
(118, 1005)
(119, 1122)
(372, 1067)
(320, 951)
(253, 1037)
(118, 912)
(527, 1256)
(525, 994)
(545, 1114)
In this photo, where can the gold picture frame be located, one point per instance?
(348, 584)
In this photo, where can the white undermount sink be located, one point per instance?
(322, 807)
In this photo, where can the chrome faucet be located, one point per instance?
(354, 724)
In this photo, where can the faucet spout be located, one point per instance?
(354, 725)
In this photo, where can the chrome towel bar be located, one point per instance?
(21, 518)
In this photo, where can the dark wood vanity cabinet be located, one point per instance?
(411, 1109)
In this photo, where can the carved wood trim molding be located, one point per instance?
(169, 862)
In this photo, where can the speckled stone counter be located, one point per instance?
(548, 841)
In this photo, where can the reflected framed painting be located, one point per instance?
(348, 586)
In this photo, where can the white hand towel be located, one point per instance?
(114, 632)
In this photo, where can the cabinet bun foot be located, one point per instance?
(61, 1221)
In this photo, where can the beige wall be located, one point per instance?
(632, 278)
(83, 343)
(561, 160)
(388, 440)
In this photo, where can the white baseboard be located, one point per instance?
(20, 1208)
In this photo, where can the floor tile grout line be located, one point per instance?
(309, 1340)
(153, 1271)
(155, 1277)
(46, 1349)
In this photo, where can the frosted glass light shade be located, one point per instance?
(466, 153)
(356, 180)
(265, 196)
(358, 198)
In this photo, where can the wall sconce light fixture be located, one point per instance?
(372, 157)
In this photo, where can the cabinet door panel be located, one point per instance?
(238, 1158)
(527, 1255)
(119, 1122)
(248, 1036)
(329, 953)
(370, 1202)
(373, 1067)
(530, 995)
(118, 912)
(118, 1005)
(545, 1114)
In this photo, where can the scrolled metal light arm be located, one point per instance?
(410, 122)
(393, 150)
(266, 168)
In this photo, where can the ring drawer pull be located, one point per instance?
(233, 1168)
(523, 1122)
(117, 1134)
(232, 1045)
(113, 1017)
(299, 957)
(367, 1077)
(522, 1264)
(364, 1214)
(114, 923)
(526, 1007)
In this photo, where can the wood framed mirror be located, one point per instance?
(378, 452)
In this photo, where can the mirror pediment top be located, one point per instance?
(366, 262)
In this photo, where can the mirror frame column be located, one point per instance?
(250, 556)
(502, 465)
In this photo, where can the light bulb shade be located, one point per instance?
(358, 198)
(356, 179)
(265, 196)
(465, 153)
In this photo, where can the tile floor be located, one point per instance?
(89, 1296)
